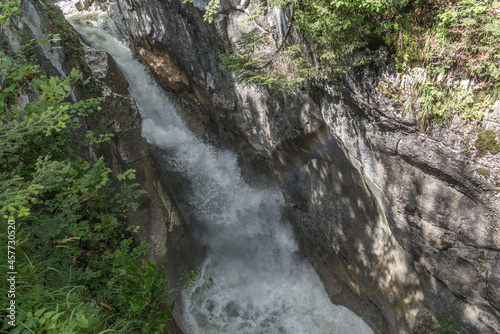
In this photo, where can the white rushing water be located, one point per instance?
(261, 284)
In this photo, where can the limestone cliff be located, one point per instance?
(397, 219)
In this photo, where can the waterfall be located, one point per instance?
(261, 283)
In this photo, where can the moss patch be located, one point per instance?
(70, 42)
(73, 49)
(487, 141)
(483, 172)
(447, 326)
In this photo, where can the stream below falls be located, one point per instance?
(261, 283)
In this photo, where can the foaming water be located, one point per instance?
(261, 284)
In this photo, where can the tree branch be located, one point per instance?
(280, 47)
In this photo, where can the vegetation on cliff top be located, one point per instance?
(486, 142)
(453, 41)
(63, 230)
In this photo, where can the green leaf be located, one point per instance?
(82, 322)
(57, 315)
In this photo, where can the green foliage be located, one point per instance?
(463, 42)
(339, 28)
(447, 326)
(459, 39)
(439, 101)
(430, 98)
(72, 46)
(138, 289)
(486, 141)
(8, 9)
(19, 75)
(483, 172)
(245, 62)
(78, 270)
(187, 279)
(473, 29)
(210, 10)
(334, 29)
(92, 138)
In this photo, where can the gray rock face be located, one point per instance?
(395, 217)
(439, 209)
(425, 322)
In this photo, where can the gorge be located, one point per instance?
(399, 220)
(261, 283)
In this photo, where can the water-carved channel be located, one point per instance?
(261, 283)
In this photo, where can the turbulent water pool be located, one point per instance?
(261, 284)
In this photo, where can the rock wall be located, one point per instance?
(400, 221)
(440, 205)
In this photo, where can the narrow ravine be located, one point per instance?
(261, 284)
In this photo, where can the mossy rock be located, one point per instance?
(70, 42)
(487, 141)
(73, 49)
(483, 172)
(447, 326)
